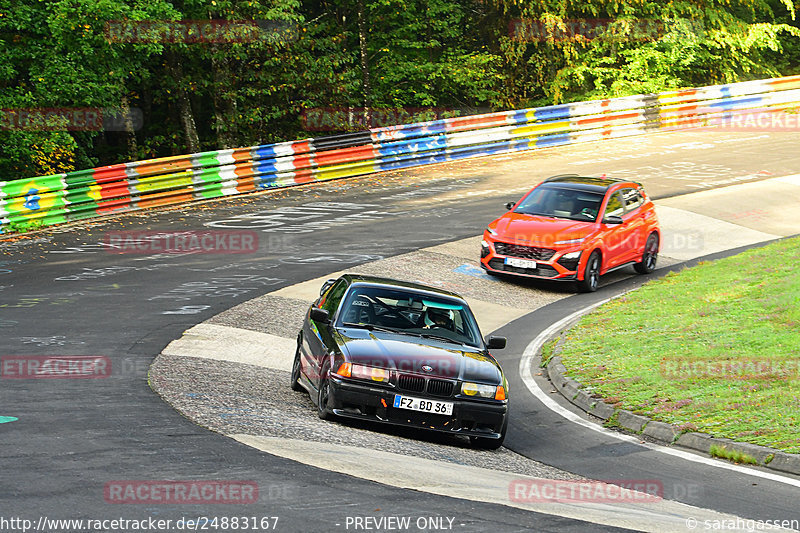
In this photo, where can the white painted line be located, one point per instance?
(524, 372)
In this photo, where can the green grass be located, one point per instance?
(732, 455)
(670, 350)
(548, 351)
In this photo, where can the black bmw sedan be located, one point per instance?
(401, 353)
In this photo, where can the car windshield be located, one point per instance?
(561, 202)
(410, 313)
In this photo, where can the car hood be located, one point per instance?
(541, 230)
(411, 354)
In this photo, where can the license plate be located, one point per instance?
(426, 406)
(520, 263)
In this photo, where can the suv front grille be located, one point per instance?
(545, 271)
(527, 252)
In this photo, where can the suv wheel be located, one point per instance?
(649, 256)
(591, 274)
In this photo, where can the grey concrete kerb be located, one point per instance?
(666, 434)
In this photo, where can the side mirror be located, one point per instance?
(495, 343)
(510, 205)
(613, 219)
(320, 315)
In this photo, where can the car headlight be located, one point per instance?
(483, 391)
(350, 370)
(571, 241)
(571, 255)
(491, 231)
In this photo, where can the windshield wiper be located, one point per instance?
(535, 214)
(439, 337)
(371, 327)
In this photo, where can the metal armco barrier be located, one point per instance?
(60, 198)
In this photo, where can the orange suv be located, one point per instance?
(574, 228)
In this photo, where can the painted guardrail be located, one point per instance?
(55, 199)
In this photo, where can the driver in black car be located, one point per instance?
(438, 318)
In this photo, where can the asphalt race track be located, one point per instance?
(63, 293)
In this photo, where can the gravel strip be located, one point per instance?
(427, 267)
(275, 315)
(436, 269)
(234, 398)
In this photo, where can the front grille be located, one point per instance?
(435, 387)
(545, 271)
(411, 383)
(527, 252)
(440, 387)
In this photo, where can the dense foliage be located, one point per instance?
(313, 68)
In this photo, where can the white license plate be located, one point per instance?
(426, 406)
(520, 263)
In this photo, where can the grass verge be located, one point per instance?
(714, 348)
(732, 455)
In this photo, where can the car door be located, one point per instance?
(614, 245)
(317, 337)
(634, 224)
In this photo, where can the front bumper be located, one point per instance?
(470, 418)
(555, 268)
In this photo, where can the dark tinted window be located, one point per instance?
(330, 300)
(614, 207)
(632, 199)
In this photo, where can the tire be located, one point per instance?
(295, 379)
(591, 274)
(491, 444)
(649, 255)
(323, 394)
